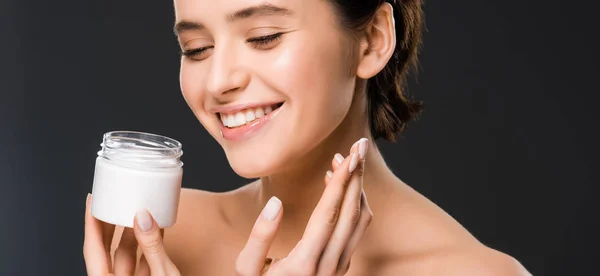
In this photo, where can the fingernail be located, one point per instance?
(362, 147)
(143, 219)
(87, 199)
(353, 162)
(354, 146)
(339, 158)
(329, 174)
(272, 208)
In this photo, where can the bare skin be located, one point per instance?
(320, 75)
(409, 235)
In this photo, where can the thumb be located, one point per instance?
(150, 241)
(252, 258)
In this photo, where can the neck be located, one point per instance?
(300, 190)
(301, 187)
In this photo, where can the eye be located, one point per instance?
(265, 42)
(197, 54)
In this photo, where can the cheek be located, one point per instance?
(315, 76)
(186, 83)
(191, 79)
(311, 74)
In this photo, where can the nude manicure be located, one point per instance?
(272, 208)
(362, 147)
(353, 162)
(339, 158)
(354, 146)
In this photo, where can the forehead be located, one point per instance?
(209, 10)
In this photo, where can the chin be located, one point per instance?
(254, 148)
(251, 167)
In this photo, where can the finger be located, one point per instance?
(108, 231)
(336, 161)
(97, 260)
(148, 236)
(143, 269)
(338, 158)
(251, 259)
(125, 255)
(349, 217)
(366, 216)
(328, 176)
(324, 217)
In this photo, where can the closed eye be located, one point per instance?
(196, 54)
(264, 42)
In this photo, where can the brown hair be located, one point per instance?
(389, 108)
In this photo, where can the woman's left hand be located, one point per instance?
(333, 233)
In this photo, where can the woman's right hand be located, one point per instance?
(333, 233)
(146, 234)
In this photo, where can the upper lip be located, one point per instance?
(233, 108)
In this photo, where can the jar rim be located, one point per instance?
(165, 143)
(135, 147)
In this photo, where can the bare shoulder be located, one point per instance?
(196, 210)
(417, 237)
(203, 228)
(480, 260)
(198, 221)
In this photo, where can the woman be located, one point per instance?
(283, 86)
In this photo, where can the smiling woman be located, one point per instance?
(285, 87)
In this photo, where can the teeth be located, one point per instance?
(259, 112)
(225, 120)
(244, 117)
(240, 119)
(250, 116)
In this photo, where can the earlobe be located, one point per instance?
(380, 36)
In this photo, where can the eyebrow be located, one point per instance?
(258, 10)
(187, 26)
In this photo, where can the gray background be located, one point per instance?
(506, 145)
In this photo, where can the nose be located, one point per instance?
(226, 75)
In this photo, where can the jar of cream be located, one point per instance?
(136, 171)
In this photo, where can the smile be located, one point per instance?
(247, 116)
(239, 123)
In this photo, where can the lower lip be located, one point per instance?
(242, 132)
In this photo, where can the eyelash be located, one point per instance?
(264, 41)
(257, 42)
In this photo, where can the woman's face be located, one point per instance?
(268, 81)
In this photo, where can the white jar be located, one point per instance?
(136, 171)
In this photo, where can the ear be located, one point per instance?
(379, 42)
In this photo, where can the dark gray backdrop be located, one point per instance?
(506, 144)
